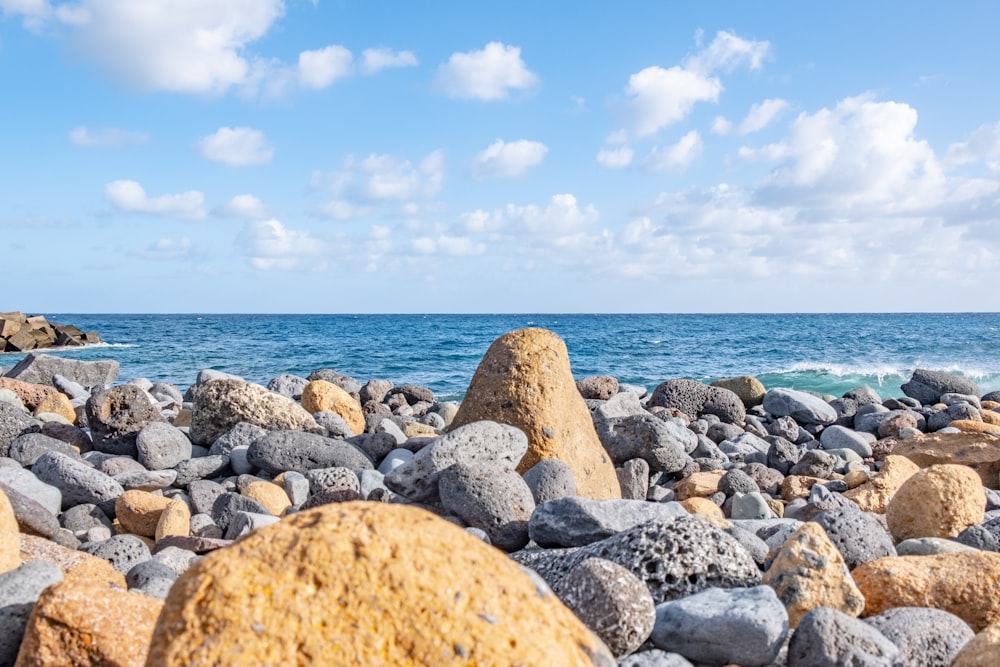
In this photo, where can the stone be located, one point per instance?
(743, 626)
(85, 624)
(859, 536)
(374, 390)
(123, 551)
(550, 479)
(41, 368)
(146, 480)
(77, 482)
(138, 512)
(161, 446)
(484, 609)
(622, 404)
(322, 479)
(575, 521)
(57, 404)
(525, 380)
(894, 425)
(797, 486)
(19, 590)
(874, 495)
(800, 406)
(279, 451)
(244, 523)
(116, 416)
(10, 545)
(228, 505)
(74, 564)
(13, 422)
(633, 478)
(31, 394)
(809, 572)
(925, 637)
(334, 426)
(973, 426)
(288, 385)
(749, 389)
(829, 638)
(961, 583)
(841, 437)
(175, 520)
(940, 501)
(707, 511)
(597, 387)
(151, 578)
(662, 444)
(32, 517)
(240, 435)
(698, 485)
(751, 505)
(270, 495)
(494, 500)
(199, 468)
(220, 405)
(654, 658)
(928, 546)
(612, 602)
(927, 386)
(981, 650)
(674, 557)
(26, 448)
(323, 396)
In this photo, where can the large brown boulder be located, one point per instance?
(940, 501)
(220, 405)
(525, 380)
(979, 451)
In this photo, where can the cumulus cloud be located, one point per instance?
(615, 158)
(84, 137)
(676, 156)
(320, 68)
(130, 197)
(760, 116)
(373, 60)
(236, 147)
(270, 245)
(982, 144)
(488, 74)
(562, 215)
(165, 249)
(727, 52)
(247, 207)
(508, 159)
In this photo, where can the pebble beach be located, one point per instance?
(543, 519)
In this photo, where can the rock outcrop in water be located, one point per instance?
(23, 333)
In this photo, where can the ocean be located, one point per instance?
(830, 354)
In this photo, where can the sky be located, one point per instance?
(321, 156)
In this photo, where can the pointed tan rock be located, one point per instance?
(809, 572)
(10, 540)
(525, 380)
(874, 495)
(174, 520)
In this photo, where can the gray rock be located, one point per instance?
(674, 557)
(114, 465)
(927, 386)
(26, 448)
(164, 391)
(13, 422)
(278, 451)
(123, 551)
(389, 427)
(723, 431)
(378, 445)
(297, 486)
(70, 434)
(151, 577)
(814, 463)
(161, 446)
(202, 525)
(767, 480)
(84, 517)
(19, 591)
(494, 499)
(654, 658)
(116, 416)
(394, 459)
(244, 523)
(479, 442)
(782, 455)
(78, 482)
(743, 626)
(550, 479)
(784, 427)
(688, 396)
(288, 385)
(41, 368)
(744, 448)
(612, 602)
(756, 547)
(199, 468)
(839, 437)
(146, 480)
(980, 538)
(926, 637)
(751, 505)
(859, 536)
(32, 517)
(74, 390)
(774, 532)
(228, 505)
(239, 461)
(412, 393)
(662, 444)
(736, 481)
(178, 560)
(334, 425)
(339, 477)
(829, 638)
(800, 406)
(622, 404)
(370, 481)
(633, 479)
(374, 390)
(240, 435)
(864, 396)
(574, 521)
(725, 405)
(203, 493)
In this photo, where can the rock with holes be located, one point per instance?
(925, 637)
(859, 536)
(221, 404)
(664, 445)
(492, 499)
(829, 638)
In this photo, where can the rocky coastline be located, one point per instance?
(544, 520)
(23, 333)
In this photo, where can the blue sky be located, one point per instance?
(298, 156)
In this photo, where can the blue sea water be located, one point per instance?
(826, 353)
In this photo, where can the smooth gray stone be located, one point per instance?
(929, 546)
(151, 577)
(123, 551)
(391, 428)
(550, 479)
(242, 434)
(244, 523)
(238, 460)
(654, 658)
(750, 506)
(41, 368)
(78, 482)
(201, 468)
(288, 385)
(840, 437)
(675, 557)
(369, 480)
(633, 479)
(845, 457)
(829, 638)
(14, 421)
(926, 637)
(146, 480)
(743, 626)
(478, 442)
(74, 390)
(203, 494)
(20, 589)
(84, 517)
(950, 399)
(575, 521)
(800, 406)
(166, 391)
(25, 481)
(743, 446)
(297, 487)
(26, 448)
(755, 546)
(162, 446)
(394, 459)
(492, 498)
(663, 444)
(32, 517)
(209, 374)
(279, 451)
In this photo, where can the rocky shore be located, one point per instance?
(542, 521)
(23, 333)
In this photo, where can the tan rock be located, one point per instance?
(59, 404)
(776, 506)
(74, 564)
(940, 501)
(84, 623)
(962, 583)
(31, 394)
(698, 485)
(138, 512)
(983, 650)
(183, 418)
(417, 430)
(525, 380)
(706, 510)
(221, 404)
(973, 426)
(750, 390)
(856, 478)
(990, 405)
(808, 572)
(979, 451)
(874, 495)
(174, 520)
(323, 396)
(329, 585)
(10, 539)
(991, 417)
(270, 495)
(798, 486)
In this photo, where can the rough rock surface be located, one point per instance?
(981, 650)
(498, 502)
(116, 416)
(525, 380)
(74, 564)
(927, 386)
(278, 451)
(19, 590)
(978, 451)
(829, 638)
(30, 393)
(220, 405)
(749, 389)
(574, 521)
(940, 501)
(925, 637)
(40, 369)
(323, 396)
(875, 494)
(10, 548)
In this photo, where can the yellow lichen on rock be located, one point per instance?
(323, 396)
(366, 584)
(525, 380)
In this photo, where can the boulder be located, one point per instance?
(10, 546)
(30, 393)
(19, 591)
(981, 650)
(525, 380)
(74, 564)
(323, 396)
(550, 479)
(116, 416)
(940, 501)
(664, 445)
(490, 498)
(749, 389)
(829, 638)
(927, 386)
(597, 387)
(800, 406)
(875, 494)
(574, 521)
(40, 368)
(925, 637)
(220, 405)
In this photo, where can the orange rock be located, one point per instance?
(138, 512)
(982, 650)
(83, 623)
(323, 396)
(962, 583)
(174, 520)
(270, 495)
(856, 478)
(416, 430)
(874, 495)
(979, 451)
(707, 511)
(990, 405)
(940, 501)
(332, 585)
(972, 426)
(525, 380)
(57, 403)
(74, 564)
(798, 486)
(698, 485)
(991, 417)
(10, 543)
(31, 394)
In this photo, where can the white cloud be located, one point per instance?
(373, 60)
(676, 156)
(562, 215)
(727, 52)
(722, 126)
(84, 137)
(982, 144)
(615, 158)
(488, 74)
(247, 207)
(269, 245)
(320, 68)
(760, 116)
(452, 246)
(167, 249)
(130, 197)
(236, 147)
(508, 159)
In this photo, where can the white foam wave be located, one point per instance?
(881, 371)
